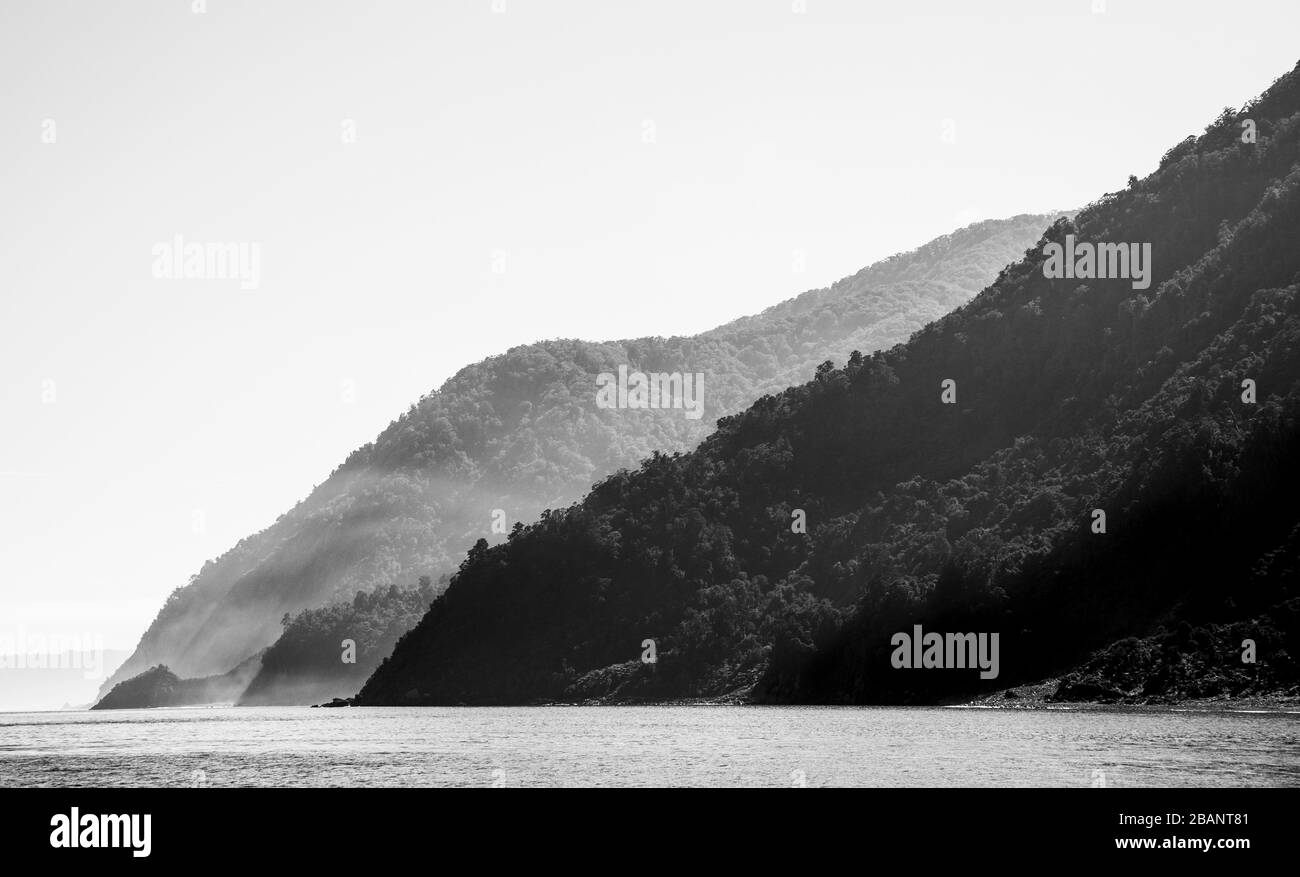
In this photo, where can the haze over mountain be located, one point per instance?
(329, 652)
(1112, 460)
(159, 686)
(519, 433)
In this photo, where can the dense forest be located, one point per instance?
(330, 651)
(521, 432)
(1172, 666)
(1110, 463)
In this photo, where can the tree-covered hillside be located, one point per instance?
(1108, 462)
(330, 652)
(521, 432)
(159, 686)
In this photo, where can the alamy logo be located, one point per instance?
(178, 260)
(655, 390)
(1087, 261)
(75, 830)
(55, 652)
(953, 651)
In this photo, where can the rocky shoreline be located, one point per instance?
(1041, 696)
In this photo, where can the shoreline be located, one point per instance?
(1038, 696)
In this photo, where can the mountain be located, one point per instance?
(1060, 464)
(330, 652)
(159, 686)
(521, 432)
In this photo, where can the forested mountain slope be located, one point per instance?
(521, 432)
(158, 687)
(1171, 409)
(330, 651)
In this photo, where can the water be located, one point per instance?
(648, 746)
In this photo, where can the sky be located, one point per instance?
(429, 183)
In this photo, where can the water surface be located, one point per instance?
(648, 746)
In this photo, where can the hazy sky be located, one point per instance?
(588, 169)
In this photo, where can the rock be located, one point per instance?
(1086, 690)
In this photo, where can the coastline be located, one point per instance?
(1039, 696)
